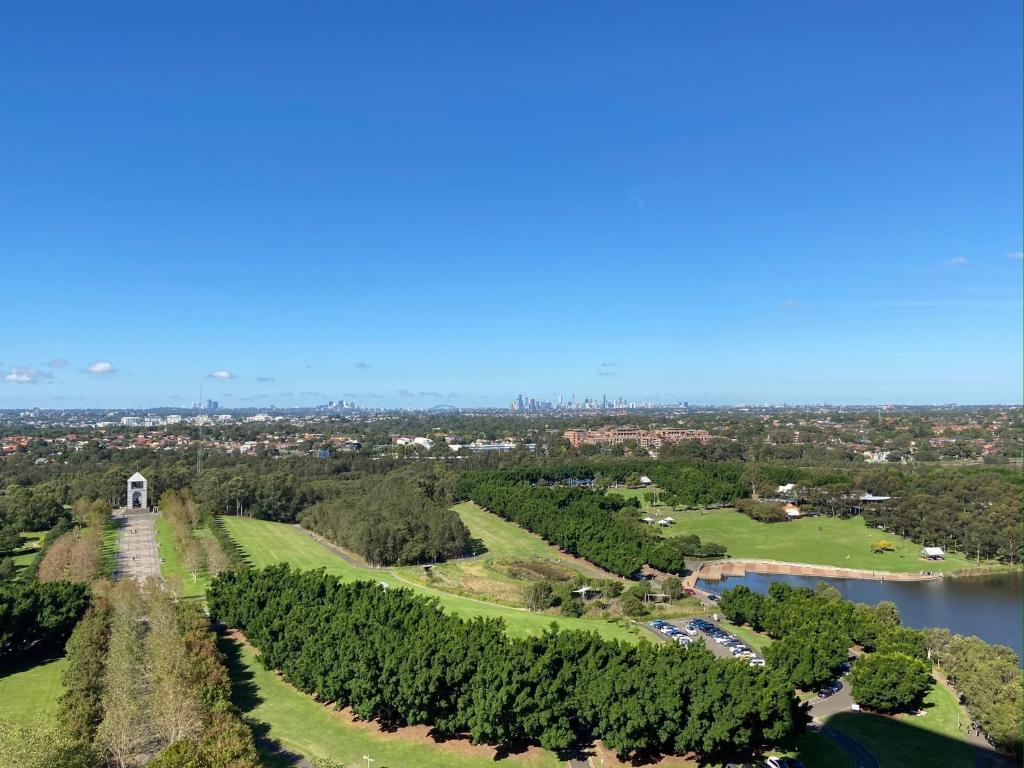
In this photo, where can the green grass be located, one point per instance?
(27, 553)
(505, 539)
(267, 543)
(912, 742)
(817, 540)
(171, 566)
(31, 694)
(109, 544)
(302, 725)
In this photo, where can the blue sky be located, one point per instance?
(413, 203)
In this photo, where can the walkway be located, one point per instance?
(137, 556)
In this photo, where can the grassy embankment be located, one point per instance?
(267, 543)
(908, 741)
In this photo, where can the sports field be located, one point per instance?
(817, 540)
(267, 543)
(907, 741)
(31, 693)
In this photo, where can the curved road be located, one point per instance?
(859, 756)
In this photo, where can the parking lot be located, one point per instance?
(717, 640)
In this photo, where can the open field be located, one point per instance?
(31, 693)
(817, 540)
(171, 566)
(26, 554)
(267, 543)
(302, 725)
(509, 559)
(907, 741)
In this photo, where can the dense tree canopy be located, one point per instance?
(37, 618)
(397, 657)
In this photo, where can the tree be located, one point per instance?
(810, 659)
(673, 587)
(887, 682)
(539, 596)
(44, 746)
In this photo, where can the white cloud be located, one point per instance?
(362, 366)
(220, 375)
(21, 375)
(57, 362)
(100, 367)
(1018, 256)
(790, 304)
(958, 261)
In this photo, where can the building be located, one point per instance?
(645, 438)
(933, 553)
(138, 492)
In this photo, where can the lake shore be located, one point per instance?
(716, 570)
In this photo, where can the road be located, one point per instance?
(137, 556)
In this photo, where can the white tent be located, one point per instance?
(933, 553)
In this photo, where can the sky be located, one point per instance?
(406, 203)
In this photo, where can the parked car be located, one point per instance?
(757, 662)
(830, 690)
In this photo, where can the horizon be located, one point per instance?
(800, 204)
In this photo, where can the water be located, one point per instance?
(987, 606)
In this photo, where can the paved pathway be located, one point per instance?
(137, 556)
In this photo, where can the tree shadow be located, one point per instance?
(29, 660)
(245, 694)
(474, 547)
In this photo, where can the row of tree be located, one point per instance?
(144, 677)
(989, 679)
(396, 657)
(602, 528)
(197, 554)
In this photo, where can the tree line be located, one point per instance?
(144, 677)
(600, 527)
(396, 657)
(198, 554)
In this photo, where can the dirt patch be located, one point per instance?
(534, 570)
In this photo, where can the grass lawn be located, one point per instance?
(912, 742)
(302, 725)
(31, 693)
(817, 540)
(27, 553)
(267, 543)
(171, 566)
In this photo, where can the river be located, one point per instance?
(990, 607)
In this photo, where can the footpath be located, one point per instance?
(715, 570)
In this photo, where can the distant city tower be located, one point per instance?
(138, 492)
